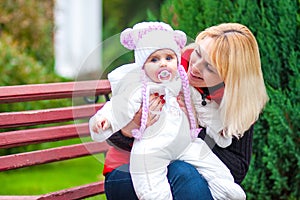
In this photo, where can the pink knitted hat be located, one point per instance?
(147, 37)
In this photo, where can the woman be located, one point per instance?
(224, 66)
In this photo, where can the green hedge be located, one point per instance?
(275, 166)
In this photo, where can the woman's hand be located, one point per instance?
(181, 102)
(156, 103)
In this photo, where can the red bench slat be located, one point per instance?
(50, 155)
(22, 93)
(76, 192)
(19, 197)
(37, 117)
(39, 135)
(79, 192)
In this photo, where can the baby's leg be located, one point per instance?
(149, 173)
(152, 186)
(218, 176)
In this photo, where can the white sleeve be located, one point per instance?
(220, 140)
(209, 117)
(119, 111)
(106, 111)
(121, 108)
(121, 77)
(214, 125)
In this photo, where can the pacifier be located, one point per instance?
(164, 76)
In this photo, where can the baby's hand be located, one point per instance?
(101, 123)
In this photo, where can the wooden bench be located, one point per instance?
(51, 130)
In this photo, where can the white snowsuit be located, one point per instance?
(167, 140)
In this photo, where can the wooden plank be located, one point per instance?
(19, 197)
(79, 192)
(39, 135)
(50, 155)
(36, 117)
(22, 93)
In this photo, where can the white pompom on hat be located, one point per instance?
(147, 37)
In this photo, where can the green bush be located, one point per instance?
(275, 166)
(30, 23)
(26, 49)
(17, 68)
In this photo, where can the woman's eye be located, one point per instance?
(198, 53)
(209, 68)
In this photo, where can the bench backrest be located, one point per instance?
(28, 118)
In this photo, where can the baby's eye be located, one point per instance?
(154, 60)
(169, 57)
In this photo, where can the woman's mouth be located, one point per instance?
(194, 76)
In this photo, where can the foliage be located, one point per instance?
(275, 167)
(26, 49)
(17, 68)
(30, 23)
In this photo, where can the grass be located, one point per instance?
(51, 177)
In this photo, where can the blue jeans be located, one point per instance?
(185, 181)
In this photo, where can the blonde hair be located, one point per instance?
(235, 55)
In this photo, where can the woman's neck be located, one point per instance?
(212, 89)
(212, 93)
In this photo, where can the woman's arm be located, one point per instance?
(120, 141)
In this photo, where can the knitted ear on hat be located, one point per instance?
(180, 38)
(128, 39)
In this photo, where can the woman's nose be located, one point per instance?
(196, 68)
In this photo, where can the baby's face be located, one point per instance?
(161, 65)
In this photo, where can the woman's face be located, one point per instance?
(200, 72)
